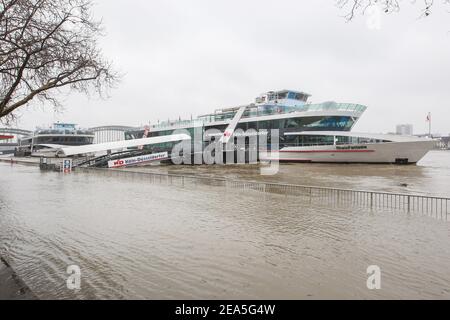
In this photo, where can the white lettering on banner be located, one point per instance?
(137, 160)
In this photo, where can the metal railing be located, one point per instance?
(437, 207)
(256, 111)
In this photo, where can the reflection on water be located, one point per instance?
(430, 177)
(135, 239)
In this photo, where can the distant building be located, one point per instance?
(446, 142)
(405, 129)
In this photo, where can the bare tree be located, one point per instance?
(45, 46)
(352, 7)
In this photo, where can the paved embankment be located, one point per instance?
(11, 286)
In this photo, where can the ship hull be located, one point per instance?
(389, 152)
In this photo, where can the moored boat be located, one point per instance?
(308, 132)
(45, 141)
(351, 147)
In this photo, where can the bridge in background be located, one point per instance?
(9, 137)
(110, 133)
(103, 134)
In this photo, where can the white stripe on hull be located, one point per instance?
(388, 152)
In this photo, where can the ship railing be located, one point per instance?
(275, 110)
(178, 124)
(434, 206)
(257, 112)
(308, 144)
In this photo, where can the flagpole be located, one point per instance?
(429, 123)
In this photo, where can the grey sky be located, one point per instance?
(191, 57)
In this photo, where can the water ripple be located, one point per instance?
(138, 239)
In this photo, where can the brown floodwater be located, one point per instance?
(138, 239)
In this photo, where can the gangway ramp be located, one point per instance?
(119, 145)
(229, 131)
(103, 160)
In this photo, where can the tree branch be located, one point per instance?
(48, 45)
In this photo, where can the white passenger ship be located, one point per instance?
(350, 147)
(45, 141)
(308, 132)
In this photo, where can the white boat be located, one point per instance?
(351, 147)
(46, 141)
(285, 110)
(308, 132)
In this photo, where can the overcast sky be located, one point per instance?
(191, 57)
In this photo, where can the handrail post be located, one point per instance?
(437, 206)
(371, 200)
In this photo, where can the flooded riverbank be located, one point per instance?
(135, 239)
(11, 286)
(430, 177)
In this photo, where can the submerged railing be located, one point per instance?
(437, 207)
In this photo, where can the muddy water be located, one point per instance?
(136, 239)
(430, 177)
